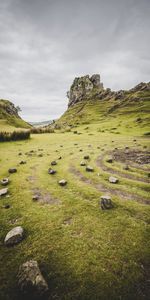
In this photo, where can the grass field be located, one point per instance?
(83, 252)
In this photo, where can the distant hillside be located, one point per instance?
(90, 103)
(41, 124)
(9, 117)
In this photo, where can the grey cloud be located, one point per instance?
(44, 44)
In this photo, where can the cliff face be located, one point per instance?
(82, 87)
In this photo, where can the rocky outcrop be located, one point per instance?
(82, 87)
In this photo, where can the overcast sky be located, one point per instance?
(44, 44)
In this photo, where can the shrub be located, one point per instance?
(38, 130)
(14, 136)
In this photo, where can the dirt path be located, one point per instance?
(102, 188)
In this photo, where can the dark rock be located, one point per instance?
(19, 153)
(36, 197)
(31, 281)
(53, 163)
(51, 171)
(6, 206)
(23, 162)
(86, 156)
(82, 163)
(12, 170)
(14, 236)
(126, 167)
(59, 157)
(106, 202)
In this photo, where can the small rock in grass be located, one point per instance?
(36, 197)
(4, 181)
(12, 170)
(53, 163)
(19, 153)
(62, 182)
(6, 206)
(109, 159)
(105, 202)
(89, 169)
(23, 162)
(82, 163)
(51, 171)
(126, 167)
(40, 155)
(80, 150)
(113, 179)
(59, 157)
(14, 236)
(86, 156)
(3, 192)
(31, 281)
(148, 174)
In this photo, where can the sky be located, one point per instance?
(45, 44)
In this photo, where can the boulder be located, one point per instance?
(89, 169)
(3, 192)
(113, 179)
(31, 281)
(4, 181)
(62, 182)
(105, 202)
(12, 170)
(14, 236)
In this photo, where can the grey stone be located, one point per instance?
(62, 182)
(86, 156)
(36, 197)
(31, 281)
(89, 169)
(82, 163)
(105, 202)
(3, 192)
(113, 179)
(14, 236)
(4, 181)
(109, 159)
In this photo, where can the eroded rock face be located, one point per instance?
(31, 281)
(82, 86)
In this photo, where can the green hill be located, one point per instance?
(9, 117)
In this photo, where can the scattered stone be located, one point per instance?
(113, 179)
(126, 168)
(3, 192)
(53, 163)
(62, 182)
(20, 153)
(4, 181)
(59, 157)
(23, 162)
(106, 202)
(109, 159)
(51, 171)
(36, 197)
(80, 150)
(126, 147)
(31, 281)
(6, 206)
(12, 170)
(89, 169)
(148, 174)
(82, 163)
(40, 155)
(75, 132)
(86, 156)
(14, 236)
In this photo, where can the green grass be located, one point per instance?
(83, 252)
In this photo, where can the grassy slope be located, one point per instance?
(84, 253)
(10, 122)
